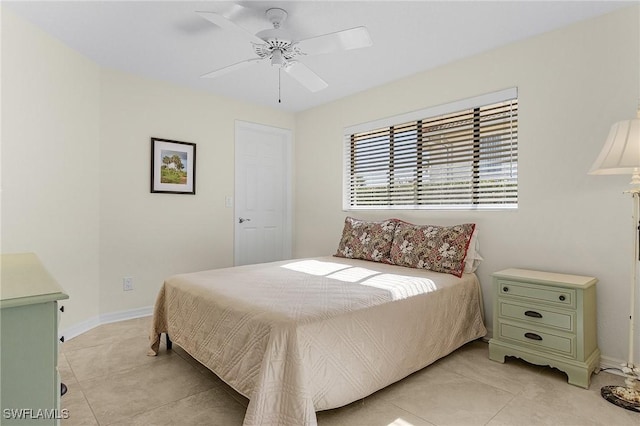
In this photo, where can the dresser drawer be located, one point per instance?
(564, 297)
(535, 314)
(536, 338)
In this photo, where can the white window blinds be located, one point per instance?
(453, 156)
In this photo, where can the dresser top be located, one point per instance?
(547, 277)
(24, 280)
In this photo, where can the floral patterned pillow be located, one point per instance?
(437, 248)
(366, 240)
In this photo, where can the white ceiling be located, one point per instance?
(167, 40)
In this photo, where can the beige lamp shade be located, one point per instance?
(621, 152)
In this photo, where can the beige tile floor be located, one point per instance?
(112, 381)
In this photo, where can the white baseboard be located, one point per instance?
(84, 326)
(612, 363)
(78, 329)
(126, 315)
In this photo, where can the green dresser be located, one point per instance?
(546, 319)
(30, 384)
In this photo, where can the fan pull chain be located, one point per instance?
(279, 73)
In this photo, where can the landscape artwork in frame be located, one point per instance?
(173, 166)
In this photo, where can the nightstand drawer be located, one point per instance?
(534, 314)
(537, 338)
(538, 293)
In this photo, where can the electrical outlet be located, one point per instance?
(127, 283)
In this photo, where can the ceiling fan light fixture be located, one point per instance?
(276, 58)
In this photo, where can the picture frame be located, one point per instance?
(173, 167)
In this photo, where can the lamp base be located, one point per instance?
(622, 396)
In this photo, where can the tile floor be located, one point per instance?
(112, 381)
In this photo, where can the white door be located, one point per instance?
(262, 193)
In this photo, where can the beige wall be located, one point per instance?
(151, 236)
(50, 160)
(573, 84)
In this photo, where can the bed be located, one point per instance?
(300, 336)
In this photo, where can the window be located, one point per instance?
(462, 155)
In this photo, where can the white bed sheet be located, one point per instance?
(300, 336)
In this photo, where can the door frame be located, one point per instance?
(288, 173)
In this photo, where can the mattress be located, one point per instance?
(300, 336)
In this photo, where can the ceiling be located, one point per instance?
(168, 41)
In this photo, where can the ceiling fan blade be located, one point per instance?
(305, 76)
(227, 24)
(354, 38)
(231, 68)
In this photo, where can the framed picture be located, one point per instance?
(173, 166)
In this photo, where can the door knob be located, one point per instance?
(241, 220)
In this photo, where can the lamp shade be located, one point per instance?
(621, 152)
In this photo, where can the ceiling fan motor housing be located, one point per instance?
(277, 42)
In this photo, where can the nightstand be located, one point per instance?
(546, 319)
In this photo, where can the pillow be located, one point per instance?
(473, 258)
(437, 248)
(366, 240)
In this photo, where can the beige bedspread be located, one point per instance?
(300, 336)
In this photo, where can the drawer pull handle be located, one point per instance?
(62, 339)
(533, 314)
(532, 336)
(562, 298)
(505, 289)
(62, 308)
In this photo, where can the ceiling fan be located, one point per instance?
(277, 46)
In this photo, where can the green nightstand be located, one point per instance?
(546, 319)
